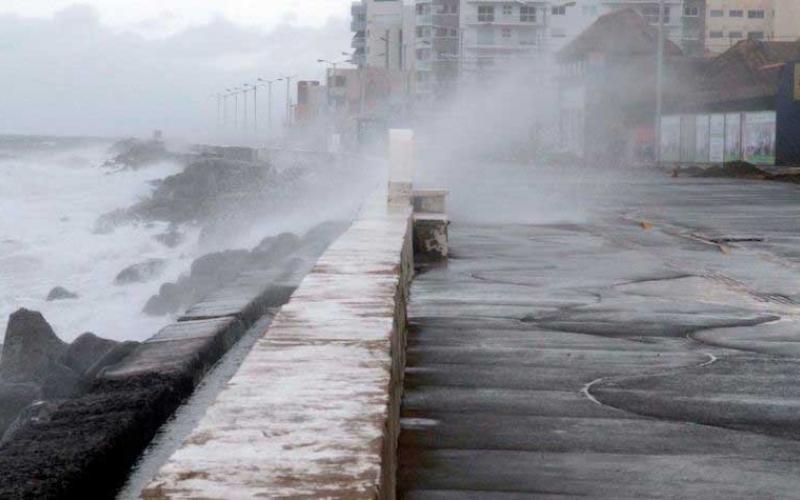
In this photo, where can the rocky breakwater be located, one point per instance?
(85, 446)
(38, 370)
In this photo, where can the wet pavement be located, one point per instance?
(607, 336)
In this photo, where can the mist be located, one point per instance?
(71, 74)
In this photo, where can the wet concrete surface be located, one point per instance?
(611, 352)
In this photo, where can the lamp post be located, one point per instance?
(244, 101)
(659, 83)
(288, 79)
(235, 93)
(269, 83)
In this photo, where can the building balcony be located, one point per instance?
(504, 21)
(358, 42)
(358, 25)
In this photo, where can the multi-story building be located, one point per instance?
(379, 34)
(358, 25)
(787, 20)
(694, 27)
(495, 33)
(437, 45)
(730, 21)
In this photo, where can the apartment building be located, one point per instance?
(379, 37)
(358, 25)
(496, 33)
(730, 21)
(787, 20)
(437, 45)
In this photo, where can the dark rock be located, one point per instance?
(171, 239)
(34, 413)
(276, 247)
(207, 274)
(13, 398)
(61, 293)
(87, 350)
(111, 358)
(192, 194)
(167, 301)
(31, 348)
(141, 272)
(62, 382)
(134, 153)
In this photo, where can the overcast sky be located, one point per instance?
(121, 67)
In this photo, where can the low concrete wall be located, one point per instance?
(87, 446)
(313, 410)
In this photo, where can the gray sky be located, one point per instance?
(119, 67)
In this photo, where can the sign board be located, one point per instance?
(671, 138)
(758, 135)
(797, 81)
(733, 137)
(716, 146)
(701, 141)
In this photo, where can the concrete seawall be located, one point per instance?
(313, 410)
(87, 446)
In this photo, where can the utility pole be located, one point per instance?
(255, 108)
(288, 99)
(244, 101)
(386, 42)
(235, 93)
(659, 82)
(269, 83)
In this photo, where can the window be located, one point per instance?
(755, 14)
(715, 34)
(453, 32)
(716, 13)
(506, 32)
(508, 9)
(691, 12)
(486, 13)
(650, 14)
(735, 34)
(736, 13)
(527, 14)
(441, 32)
(560, 11)
(755, 35)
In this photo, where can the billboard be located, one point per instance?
(701, 140)
(758, 134)
(717, 139)
(797, 81)
(671, 138)
(733, 137)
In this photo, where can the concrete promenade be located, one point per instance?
(312, 412)
(645, 347)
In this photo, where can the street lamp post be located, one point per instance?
(244, 101)
(659, 83)
(288, 98)
(235, 93)
(269, 99)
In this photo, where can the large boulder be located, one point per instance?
(60, 293)
(141, 272)
(13, 398)
(31, 348)
(37, 412)
(86, 350)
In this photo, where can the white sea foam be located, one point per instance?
(49, 203)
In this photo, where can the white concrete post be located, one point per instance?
(401, 166)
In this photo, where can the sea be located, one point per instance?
(52, 191)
